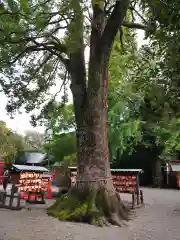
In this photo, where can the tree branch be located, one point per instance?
(77, 69)
(27, 50)
(65, 81)
(51, 74)
(40, 66)
(134, 25)
(57, 51)
(113, 24)
(58, 46)
(133, 9)
(108, 11)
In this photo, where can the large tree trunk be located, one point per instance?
(93, 199)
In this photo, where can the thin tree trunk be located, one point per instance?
(157, 173)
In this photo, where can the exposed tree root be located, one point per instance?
(101, 207)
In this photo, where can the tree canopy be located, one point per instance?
(37, 40)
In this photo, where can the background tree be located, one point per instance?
(10, 143)
(154, 113)
(34, 140)
(61, 145)
(61, 124)
(123, 131)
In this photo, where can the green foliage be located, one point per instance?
(142, 105)
(69, 160)
(62, 143)
(28, 41)
(62, 147)
(124, 132)
(61, 118)
(10, 143)
(165, 44)
(172, 140)
(39, 38)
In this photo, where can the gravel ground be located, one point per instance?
(158, 220)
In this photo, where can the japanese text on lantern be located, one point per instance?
(32, 182)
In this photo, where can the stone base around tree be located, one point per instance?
(99, 207)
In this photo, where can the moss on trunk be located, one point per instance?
(98, 207)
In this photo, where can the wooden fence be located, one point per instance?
(10, 200)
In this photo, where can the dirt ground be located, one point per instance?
(158, 220)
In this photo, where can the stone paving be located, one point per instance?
(158, 220)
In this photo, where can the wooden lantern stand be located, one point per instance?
(124, 181)
(127, 181)
(31, 182)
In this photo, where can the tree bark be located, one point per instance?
(157, 173)
(93, 199)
